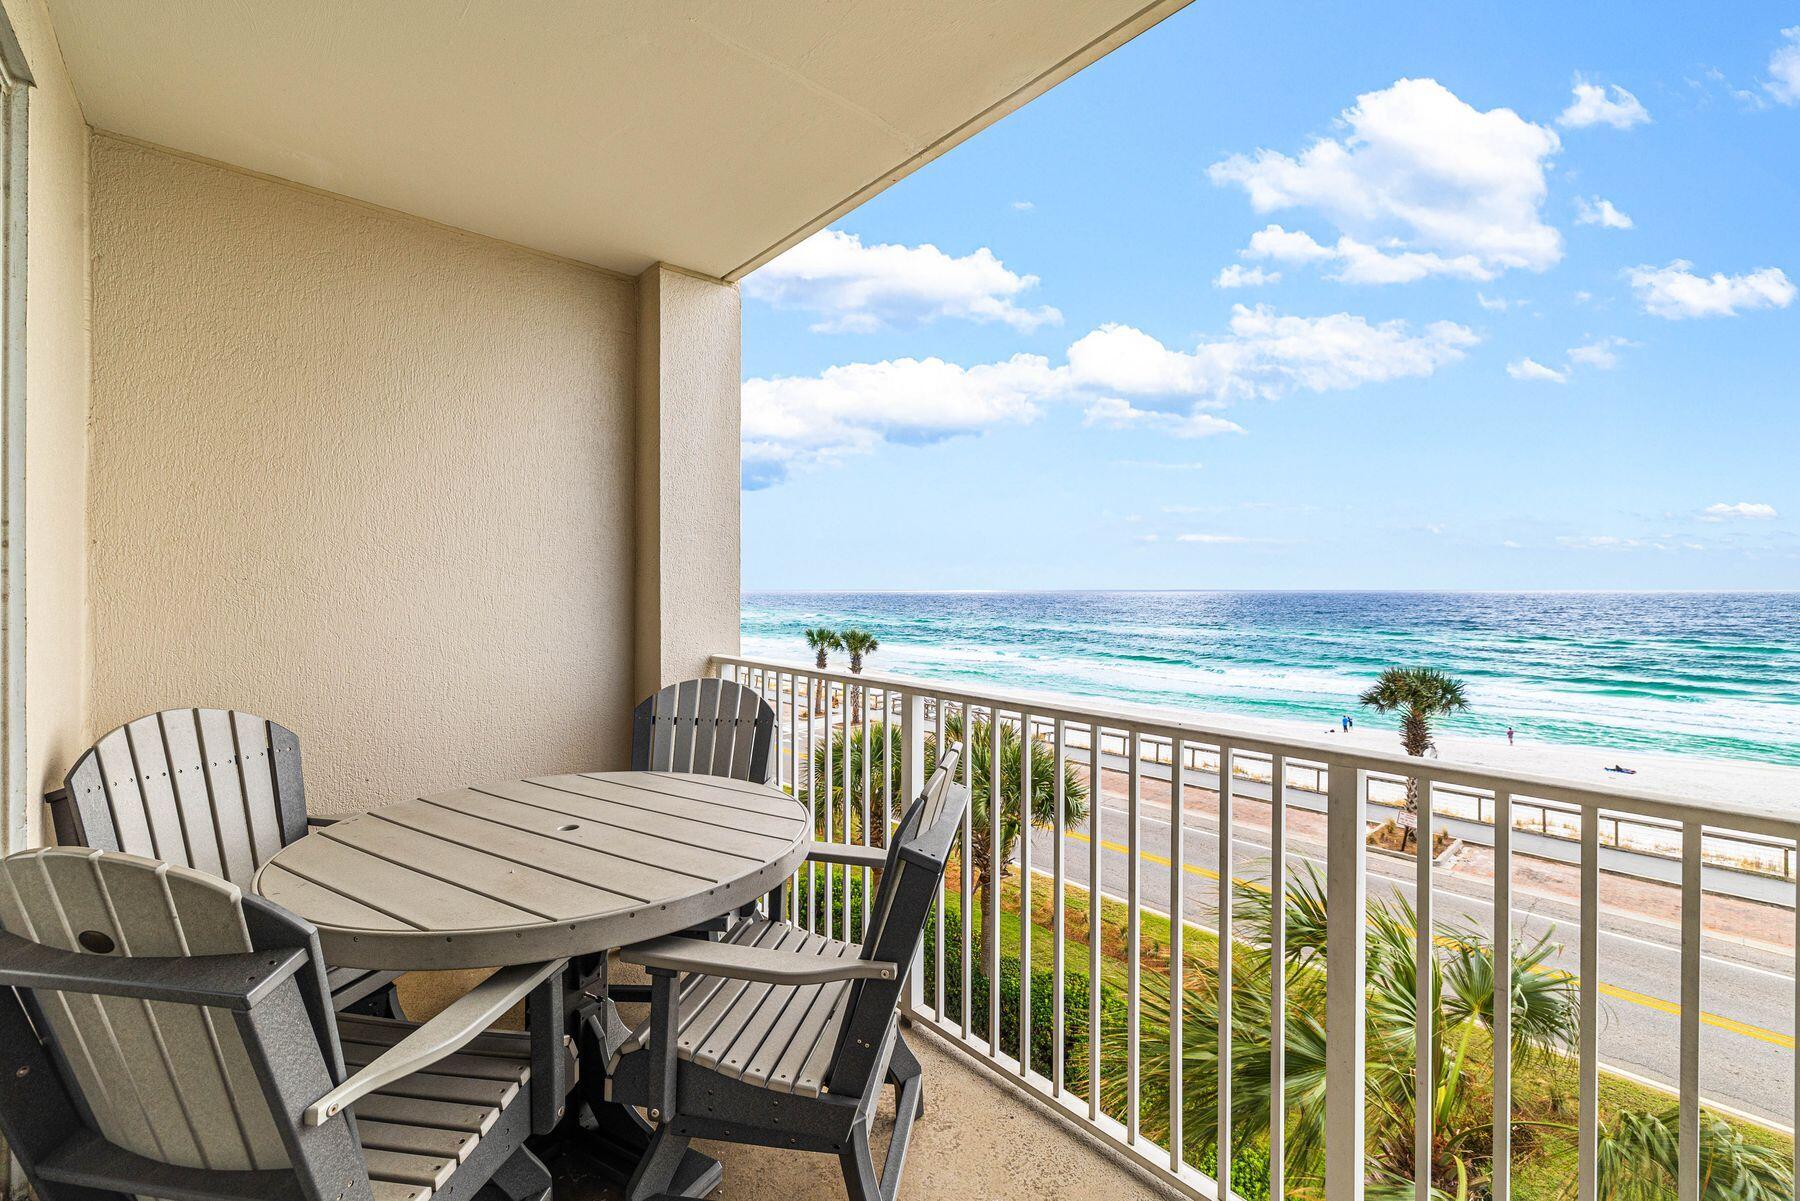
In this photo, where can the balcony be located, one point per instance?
(1631, 1052)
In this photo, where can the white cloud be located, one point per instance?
(1212, 539)
(1159, 465)
(1534, 371)
(1236, 275)
(1600, 353)
(1496, 304)
(1741, 511)
(1114, 413)
(1675, 292)
(1783, 82)
(1023, 206)
(793, 421)
(1359, 262)
(860, 288)
(1419, 172)
(800, 421)
(1596, 105)
(1266, 354)
(1595, 211)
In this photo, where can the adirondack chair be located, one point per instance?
(164, 1035)
(212, 789)
(780, 1038)
(711, 726)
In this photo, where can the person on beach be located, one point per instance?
(1345, 722)
(1509, 735)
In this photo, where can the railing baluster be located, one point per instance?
(1097, 795)
(1278, 978)
(1134, 931)
(1691, 900)
(865, 712)
(1057, 931)
(847, 799)
(830, 783)
(1227, 765)
(1587, 1179)
(912, 759)
(968, 867)
(1177, 963)
(1502, 1171)
(912, 790)
(990, 904)
(1026, 808)
(1424, 1016)
(1346, 892)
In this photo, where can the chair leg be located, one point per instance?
(523, 1177)
(909, 1106)
(858, 1163)
(903, 1069)
(655, 1175)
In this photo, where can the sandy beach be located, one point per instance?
(1765, 785)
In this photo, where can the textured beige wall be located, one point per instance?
(56, 383)
(688, 500)
(364, 475)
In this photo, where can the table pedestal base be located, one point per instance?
(616, 1136)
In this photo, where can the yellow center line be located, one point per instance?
(1718, 1021)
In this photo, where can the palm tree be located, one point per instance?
(1420, 695)
(1545, 1016)
(1640, 1160)
(985, 857)
(823, 641)
(858, 642)
(881, 744)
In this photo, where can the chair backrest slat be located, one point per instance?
(711, 726)
(212, 789)
(169, 1081)
(910, 883)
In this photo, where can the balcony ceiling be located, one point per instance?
(710, 134)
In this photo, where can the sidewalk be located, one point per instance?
(1545, 871)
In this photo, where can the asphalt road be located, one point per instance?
(1747, 994)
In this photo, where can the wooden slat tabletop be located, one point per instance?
(529, 870)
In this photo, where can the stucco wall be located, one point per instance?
(56, 383)
(688, 501)
(364, 475)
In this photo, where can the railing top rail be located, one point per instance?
(1145, 719)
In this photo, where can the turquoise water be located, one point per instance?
(1714, 674)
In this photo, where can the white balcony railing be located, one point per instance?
(824, 714)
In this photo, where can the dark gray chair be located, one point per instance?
(781, 1038)
(164, 1035)
(212, 789)
(710, 726)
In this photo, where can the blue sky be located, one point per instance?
(1535, 324)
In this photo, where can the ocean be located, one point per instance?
(1715, 675)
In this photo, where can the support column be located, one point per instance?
(688, 544)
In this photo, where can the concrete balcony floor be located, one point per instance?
(978, 1138)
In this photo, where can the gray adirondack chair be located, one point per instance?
(711, 726)
(213, 789)
(781, 1038)
(164, 1035)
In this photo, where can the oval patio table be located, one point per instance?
(552, 867)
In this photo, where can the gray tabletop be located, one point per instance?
(536, 869)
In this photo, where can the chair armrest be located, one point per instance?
(456, 1027)
(765, 966)
(843, 852)
(314, 821)
(234, 982)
